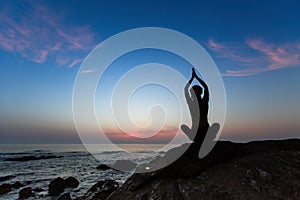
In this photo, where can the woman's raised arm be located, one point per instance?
(206, 92)
(186, 88)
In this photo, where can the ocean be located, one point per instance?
(72, 160)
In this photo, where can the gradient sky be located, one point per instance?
(255, 44)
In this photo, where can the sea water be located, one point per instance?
(74, 160)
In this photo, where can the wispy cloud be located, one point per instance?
(87, 71)
(75, 62)
(279, 56)
(265, 56)
(37, 32)
(231, 51)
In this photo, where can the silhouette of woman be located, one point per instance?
(198, 107)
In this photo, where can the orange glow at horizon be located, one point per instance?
(163, 136)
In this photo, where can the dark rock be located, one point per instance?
(71, 182)
(254, 185)
(254, 170)
(38, 189)
(25, 193)
(17, 185)
(265, 175)
(5, 178)
(101, 190)
(103, 167)
(56, 186)
(65, 196)
(27, 158)
(77, 190)
(28, 182)
(5, 188)
(249, 174)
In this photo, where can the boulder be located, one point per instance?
(103, 167)
(65, 196)
(17, 185)
(5, 188)
(25, 193)
(56, 186)
(71, 182)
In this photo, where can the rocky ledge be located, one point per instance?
(254, 170)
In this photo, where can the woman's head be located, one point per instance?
(196, 91)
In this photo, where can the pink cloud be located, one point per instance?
(279, 56)
(42, 33)
(230, 51)
(87, 71)
(42, 57)
(244, 72)
(60, 60)
(76, 61)
(269, 56)
(214, 45)
(56, 47)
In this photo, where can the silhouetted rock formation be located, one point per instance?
(100, 190)
(254, 170)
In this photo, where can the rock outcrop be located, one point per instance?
(255, 170)
(100, 190)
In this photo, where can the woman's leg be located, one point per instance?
(188, 131)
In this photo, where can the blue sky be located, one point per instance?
(255, 44)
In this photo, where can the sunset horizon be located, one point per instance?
(43, 45)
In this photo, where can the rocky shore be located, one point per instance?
(254, 170)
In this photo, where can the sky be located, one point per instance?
(255, 45)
